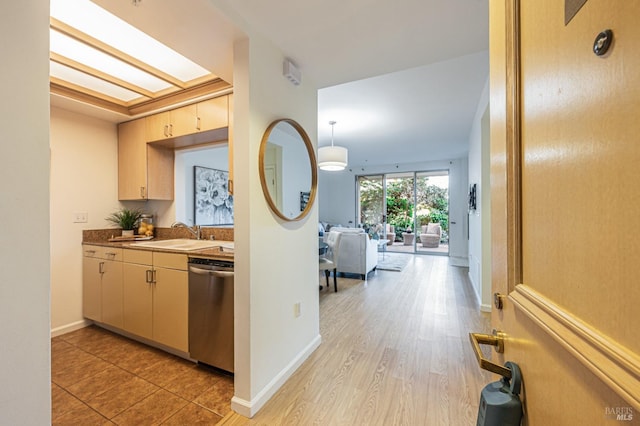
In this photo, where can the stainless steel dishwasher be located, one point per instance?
(211, 312)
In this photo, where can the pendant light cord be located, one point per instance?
(332, 124)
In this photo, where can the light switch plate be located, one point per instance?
(80, 217)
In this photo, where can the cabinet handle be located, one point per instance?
(91, 252)
(197, 123)
(148, 277)
(142, 192)
(170, 129)
(101, 268)
(165, 130)
(153, 276)
(111, 253)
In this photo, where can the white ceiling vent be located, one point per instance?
(291, 72)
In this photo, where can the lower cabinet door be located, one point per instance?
(112, 297)
(170, 308)
(137, 300)
(91, 288)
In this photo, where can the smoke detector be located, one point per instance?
(291, 72)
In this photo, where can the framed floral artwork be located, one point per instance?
(213, 205)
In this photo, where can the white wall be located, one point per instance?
(480, 220)
(276, 262)
(84, 178)
(338, 198)
(25, 373)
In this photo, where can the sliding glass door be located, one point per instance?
(432, 212)
(410, 209)
(400, 202)
(371, 211)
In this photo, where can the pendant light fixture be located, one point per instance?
(332, 158)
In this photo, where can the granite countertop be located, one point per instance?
(101, 238)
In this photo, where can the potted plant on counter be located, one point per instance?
(127, 219)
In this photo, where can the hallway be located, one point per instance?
(395, 351)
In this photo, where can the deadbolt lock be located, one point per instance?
(498, 300)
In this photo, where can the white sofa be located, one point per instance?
(357, 254)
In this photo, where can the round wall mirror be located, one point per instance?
(288, 169)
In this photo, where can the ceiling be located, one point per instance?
(401, 79)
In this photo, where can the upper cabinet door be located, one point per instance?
(132, 160)
(184, 121)
(145, 171)
(157, 126)
(213, 113)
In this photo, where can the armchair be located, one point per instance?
(358, 254)
(430, 235)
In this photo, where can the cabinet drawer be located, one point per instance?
(141, 257)
(101, 252)
(91, 251)
(112, 253)
(170, 261)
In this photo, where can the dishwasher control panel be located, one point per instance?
(210, 262)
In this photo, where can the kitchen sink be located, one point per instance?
(183, 244)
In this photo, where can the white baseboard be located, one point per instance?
(459, 261)
(250, 408)
(68, 328)
(485, 308)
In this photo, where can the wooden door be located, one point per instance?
(564, 174)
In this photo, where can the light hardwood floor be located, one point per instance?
(395, 351)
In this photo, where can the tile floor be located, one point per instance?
(101, 378)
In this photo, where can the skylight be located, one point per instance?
(95, 53)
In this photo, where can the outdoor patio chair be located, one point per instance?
(430, 235)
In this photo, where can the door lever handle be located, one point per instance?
(496, 339)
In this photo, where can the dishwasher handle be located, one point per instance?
(215, 273)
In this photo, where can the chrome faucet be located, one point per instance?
(195, 230)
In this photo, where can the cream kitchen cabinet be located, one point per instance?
(171, 124)
(212, 114)
(198, 117)
(102, 284)
(146, 145)
(145, 171)
(156, 297)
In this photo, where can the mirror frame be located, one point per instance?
(312, 163)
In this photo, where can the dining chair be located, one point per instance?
(328, 261)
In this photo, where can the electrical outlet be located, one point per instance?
(296, 309)
(80, 217)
